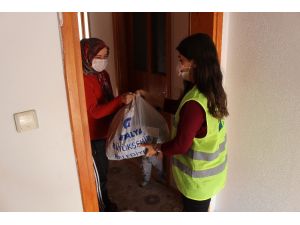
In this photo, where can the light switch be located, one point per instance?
(26, 120)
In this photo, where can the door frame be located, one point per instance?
(77, 110)
(77, 104)
(210, 23)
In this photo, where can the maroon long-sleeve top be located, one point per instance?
(192, 123)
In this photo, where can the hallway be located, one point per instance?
(123, 185)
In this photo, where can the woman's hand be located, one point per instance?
(156, 100)
(127, 98)
(141, 93)
(151, 151)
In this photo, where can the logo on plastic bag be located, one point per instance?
(126, 123)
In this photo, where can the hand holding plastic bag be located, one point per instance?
(133, 125)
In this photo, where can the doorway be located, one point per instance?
(142, 43)
(147, 46)
(150, 74)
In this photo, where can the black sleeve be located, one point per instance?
(170, 105)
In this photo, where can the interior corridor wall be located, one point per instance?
(261, 58)
(37, 167)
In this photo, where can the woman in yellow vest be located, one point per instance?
(198, 142)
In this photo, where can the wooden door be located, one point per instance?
(210, 23)
(143, 43)
(149, 41)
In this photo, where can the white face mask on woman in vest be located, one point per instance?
(99, 64)
(184, 72)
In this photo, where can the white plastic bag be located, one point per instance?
(133, 125)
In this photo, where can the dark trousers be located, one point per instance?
(101, 161)
(190, 205)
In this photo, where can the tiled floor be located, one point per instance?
(123, 187)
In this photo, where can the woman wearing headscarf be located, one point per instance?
(101, 105)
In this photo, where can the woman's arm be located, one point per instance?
(98, 111)
(192, 117)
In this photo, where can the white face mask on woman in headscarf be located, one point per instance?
(99, 64)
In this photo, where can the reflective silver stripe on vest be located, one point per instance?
(207, 156)
(200, 173)
(174, 121)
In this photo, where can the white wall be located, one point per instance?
(37, 167)
(262, 82)
(101, 26)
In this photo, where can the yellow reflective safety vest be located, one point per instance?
(201, 172)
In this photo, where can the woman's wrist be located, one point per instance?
(157, 148)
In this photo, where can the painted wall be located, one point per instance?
(101, 26)
(262, 79)
(37, 167)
